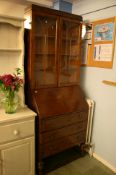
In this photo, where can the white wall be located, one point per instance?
(104, 130)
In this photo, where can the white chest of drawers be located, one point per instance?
(17, 147)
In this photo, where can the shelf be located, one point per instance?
(10, 50)
(44, 54)
(70, 38)
(45, 36)
(69, 55)
(16, 22)
(46, 69)
(68, 72)
(69, 69)
(65, 73)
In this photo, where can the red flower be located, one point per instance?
(7, 80)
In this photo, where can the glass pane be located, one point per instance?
(44, 51)
(70, 53)
(44, 70)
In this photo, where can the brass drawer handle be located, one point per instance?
(16, 132)
(35, 91)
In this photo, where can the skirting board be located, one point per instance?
(104, 162)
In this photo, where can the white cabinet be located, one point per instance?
(12, 47)
(17, 158)
(17, 147)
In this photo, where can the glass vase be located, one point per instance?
(10, 102)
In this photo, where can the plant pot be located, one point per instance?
(10, 103)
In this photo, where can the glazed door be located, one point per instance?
(44, 35)
(69, 66)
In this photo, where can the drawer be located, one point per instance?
(63, 144)
(56, 122)
(51, 136)
(16, 131)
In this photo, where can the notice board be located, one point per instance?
(101, 51)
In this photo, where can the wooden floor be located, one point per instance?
(83, 166)
(79, 165)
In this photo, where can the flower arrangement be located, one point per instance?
(9, 85)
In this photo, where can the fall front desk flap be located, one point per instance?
(60, 100)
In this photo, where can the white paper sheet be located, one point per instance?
(103, 52)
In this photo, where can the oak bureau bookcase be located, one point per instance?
(52, 77)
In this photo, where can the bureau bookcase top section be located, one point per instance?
(53, 48)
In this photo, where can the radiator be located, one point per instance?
(91, 105)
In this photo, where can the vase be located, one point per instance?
(10, 102)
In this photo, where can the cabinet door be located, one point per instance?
(0, 166)
(44, 35)
(17, 158)
(70, 52)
